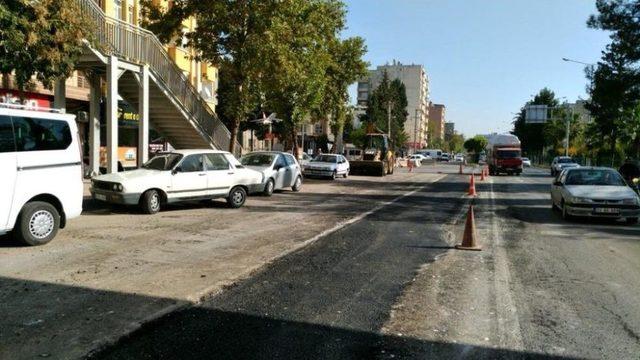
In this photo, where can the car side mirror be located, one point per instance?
(176, 170)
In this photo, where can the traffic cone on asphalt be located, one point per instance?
(472, 186)
(469, 237)
(482, 175)
(460, 171)
(486, 169)
(410, 165)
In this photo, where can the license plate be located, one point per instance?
(101, 197)
(607, 210)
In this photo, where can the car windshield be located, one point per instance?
(508, 154)
(257, 159)
(163, 162)
(565, 161)
(594, 177)
(325, 158)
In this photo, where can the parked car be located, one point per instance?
(180, 175)
(594, 192)
(526, 162)
(560, 163)
(328, 165)
(304, 159)
(459, 158)
(444, 157)
(279, 170)
(417, 159)
(41, 173)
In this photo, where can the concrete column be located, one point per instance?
(112, 115)
(94, 125)
(143, 113)
(60, 95)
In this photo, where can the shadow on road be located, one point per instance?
(200, 333)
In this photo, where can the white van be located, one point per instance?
(435, 154)
(41, 182)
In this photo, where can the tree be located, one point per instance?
(615, 81)
(456, 143)
(297, 75)
(476, 144)
(393, 95)
(346, 66)
(41, 38)
(235, 35)
(532, 136)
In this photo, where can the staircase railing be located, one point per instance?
(119, 38)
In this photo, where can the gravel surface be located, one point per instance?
(114, 268)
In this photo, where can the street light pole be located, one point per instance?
(577, 62)
(389, 119)
(415, 129)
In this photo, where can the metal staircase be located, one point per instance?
(176, 108)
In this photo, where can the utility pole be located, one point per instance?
(389, 119)
(566, 140)
(415, 129)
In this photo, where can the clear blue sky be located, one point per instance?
(485, 58)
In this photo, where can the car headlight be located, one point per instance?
(631, 201)
(117, 187)
(580, 200)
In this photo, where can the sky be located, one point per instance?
(484, 58)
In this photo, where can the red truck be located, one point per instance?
(504, 154)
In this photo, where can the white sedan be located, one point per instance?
(416, 159)
(328, 165)
(181, 175)
(594, 192)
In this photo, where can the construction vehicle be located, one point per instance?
(377, 159)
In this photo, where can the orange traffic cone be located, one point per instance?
(482, 175)
(469, 237)
(410, 165)
(472, 186)
(460, 171)
(486, 169)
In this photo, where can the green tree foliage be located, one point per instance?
(615, 81)
(456, 143)
(345, 67)
(237, 36)
(476, 144)
(391, 94)
(40, 38)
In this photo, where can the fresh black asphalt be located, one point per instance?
(328, 300)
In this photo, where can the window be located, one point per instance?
(192, 163)
(7, 143)
(33, 134)
(163, 162)
(280, 163)
(215, 162)
(257, 159)
(117, 9)
(290, 160)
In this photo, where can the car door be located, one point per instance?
(189, 180)
(280, 168)
(219, 174)
(8, 169)
(342, 164)
(292, 170)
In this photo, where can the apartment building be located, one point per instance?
(416, 81)
(437, 120)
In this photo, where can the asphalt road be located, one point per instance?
(576, 285)
(542, 288)
(328, 300)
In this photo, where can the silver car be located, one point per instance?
(594, 192)
(560, 163)
(279, 170)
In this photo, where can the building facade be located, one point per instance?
(416, 81)
(437, 114)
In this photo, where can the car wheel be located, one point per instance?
(37, 223)
(346, 174)
(565, 214)
(632, 220)
(236, 198)
(334, 175)
(297, 186)
(150, 202)
(269, 187)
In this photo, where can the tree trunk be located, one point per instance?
(294, 138)
(339, 146)
(234, 135)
